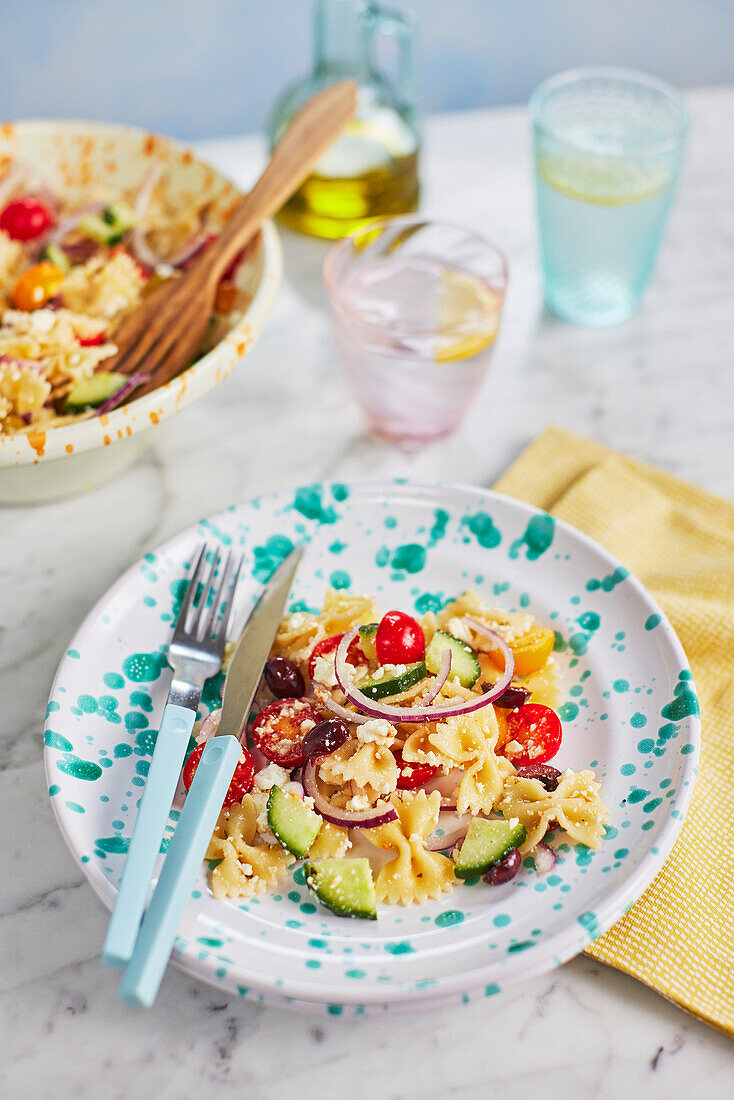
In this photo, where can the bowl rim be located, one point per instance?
(79, 436)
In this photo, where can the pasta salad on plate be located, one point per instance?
(399, 758)
(474, 725)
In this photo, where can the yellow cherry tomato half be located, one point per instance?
(37, 285)
(532, 649)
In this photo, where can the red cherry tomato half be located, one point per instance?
(399, 639)
(327, 645)
(413, 775)
(538, 729)
(25, 219)
(242, 780)
(92, 341)
(280, 731)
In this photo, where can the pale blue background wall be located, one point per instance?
(210, 67)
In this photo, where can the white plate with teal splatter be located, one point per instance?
(630, 714)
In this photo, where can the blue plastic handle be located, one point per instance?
(160, 787)
(214, 773)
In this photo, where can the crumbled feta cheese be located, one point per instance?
(378, 731)
(272, 776)
(307, 724)
(43, 320)
(459, 629)
(297, 620)
(358, 802)
(323, 671)
(260, 798)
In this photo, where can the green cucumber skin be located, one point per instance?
(55, 255)
(383, 689)
(295, 835)
(363, 911)
(367, 635)
(498, 849)
(110, 226)
(94, 391)
(464, 663)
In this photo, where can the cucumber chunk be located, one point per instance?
(464, 663)
(94, 391)
(381, 687)
(486, 843)
(294, 823)
(56, 256)
(343, 885)
(367, 635)
(110, 226)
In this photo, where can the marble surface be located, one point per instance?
(660, 387)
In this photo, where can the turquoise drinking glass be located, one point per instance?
(608, 148)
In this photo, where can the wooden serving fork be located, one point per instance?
(163, 335)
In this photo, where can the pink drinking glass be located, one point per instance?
(416, 306)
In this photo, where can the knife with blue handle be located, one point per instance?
(203, 804)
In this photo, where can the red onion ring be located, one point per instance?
(143, 252)
(544, 857)
(209, 726)
(21, 171)
(10, 180)
(349, 819)
(122, 394)
(442, 676)
(451, 837)
(140, 247)
(190, 249)
(22, 364)
(418, 714)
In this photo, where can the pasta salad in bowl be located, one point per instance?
(474, 726)
(92, 218)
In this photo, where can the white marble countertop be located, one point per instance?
(660, 387)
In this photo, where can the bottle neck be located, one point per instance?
(338, 38)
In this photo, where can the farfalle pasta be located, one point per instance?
(575, 805)
(424, 746)
(245, 868)
(414, 875)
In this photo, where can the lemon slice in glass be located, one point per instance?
(467, 303)
(605, 181)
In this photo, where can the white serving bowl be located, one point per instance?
(75, 157)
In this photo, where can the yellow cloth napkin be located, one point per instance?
(679, 540)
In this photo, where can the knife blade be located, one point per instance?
(253, 647)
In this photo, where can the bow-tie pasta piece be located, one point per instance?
(332, 842)
(466, 741)
(371, 767)
(415, 875)
(575, 805)
(342, 611)
(300, 631)
(246, 868)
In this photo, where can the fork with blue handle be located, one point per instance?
(206, 795)
(195, 654)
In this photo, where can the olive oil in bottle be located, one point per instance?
(372, 169)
